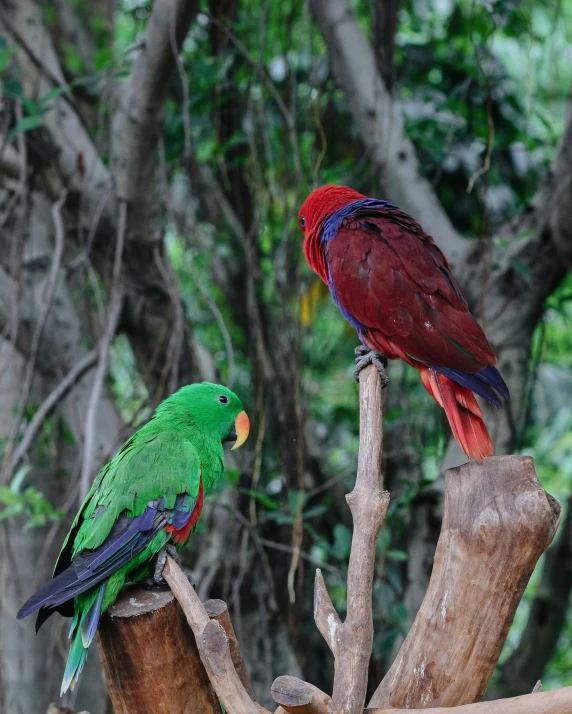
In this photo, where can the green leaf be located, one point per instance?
(52, 94)
(25, 124)
(269, 503)
(102, 58)
(280, 518)
(7, 496)
(12, 87)
(397, 555)
(318, 510)
(5, 54)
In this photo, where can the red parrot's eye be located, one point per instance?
(302, 222)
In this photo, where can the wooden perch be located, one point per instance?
(218, 610)
(150, 659)
(213, 645)
(351, 641)
(558, 701)
(498, 521)
(298, 697)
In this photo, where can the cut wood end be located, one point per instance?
(214, 639)
(291, 691)
(504, 476)
(136, 601)
(215, 607)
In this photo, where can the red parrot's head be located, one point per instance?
(319, 205)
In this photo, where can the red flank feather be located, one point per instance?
(181, 536)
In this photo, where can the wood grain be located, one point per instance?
(498, 521)
(218, 610)
(558, 701)
(150, 658)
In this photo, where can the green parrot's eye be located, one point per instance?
(223, 399)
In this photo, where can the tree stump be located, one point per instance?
(150, 657)
(498, 521)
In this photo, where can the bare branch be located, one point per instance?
(39, 331)
(115, 299)
(351, 641)
(49, 403)
(41, 71)
(139, 115)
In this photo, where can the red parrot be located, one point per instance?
(394, 285)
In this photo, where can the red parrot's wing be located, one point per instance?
(390, 277)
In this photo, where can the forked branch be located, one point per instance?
(351, 640)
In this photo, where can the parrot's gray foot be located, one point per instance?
(365, 357)
(161, 560)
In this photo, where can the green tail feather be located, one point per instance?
(75, 663)
(82, 630)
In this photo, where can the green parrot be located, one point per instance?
(144, 503)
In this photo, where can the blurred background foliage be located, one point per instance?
(479, 83)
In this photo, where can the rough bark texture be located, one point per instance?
(351, 640)
(545, 621)
(498, 521)
(150, 657)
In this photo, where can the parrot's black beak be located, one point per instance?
(232, 435)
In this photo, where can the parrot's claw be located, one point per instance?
(364, 357)
(161, 560)
(190, 578)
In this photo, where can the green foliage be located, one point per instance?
(20, 500)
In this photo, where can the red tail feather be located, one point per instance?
(463, 413)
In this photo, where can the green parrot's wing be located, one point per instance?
(145, 469)
(150, 492)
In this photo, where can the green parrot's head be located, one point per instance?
(210, 409)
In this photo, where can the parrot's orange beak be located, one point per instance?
(242, 428)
